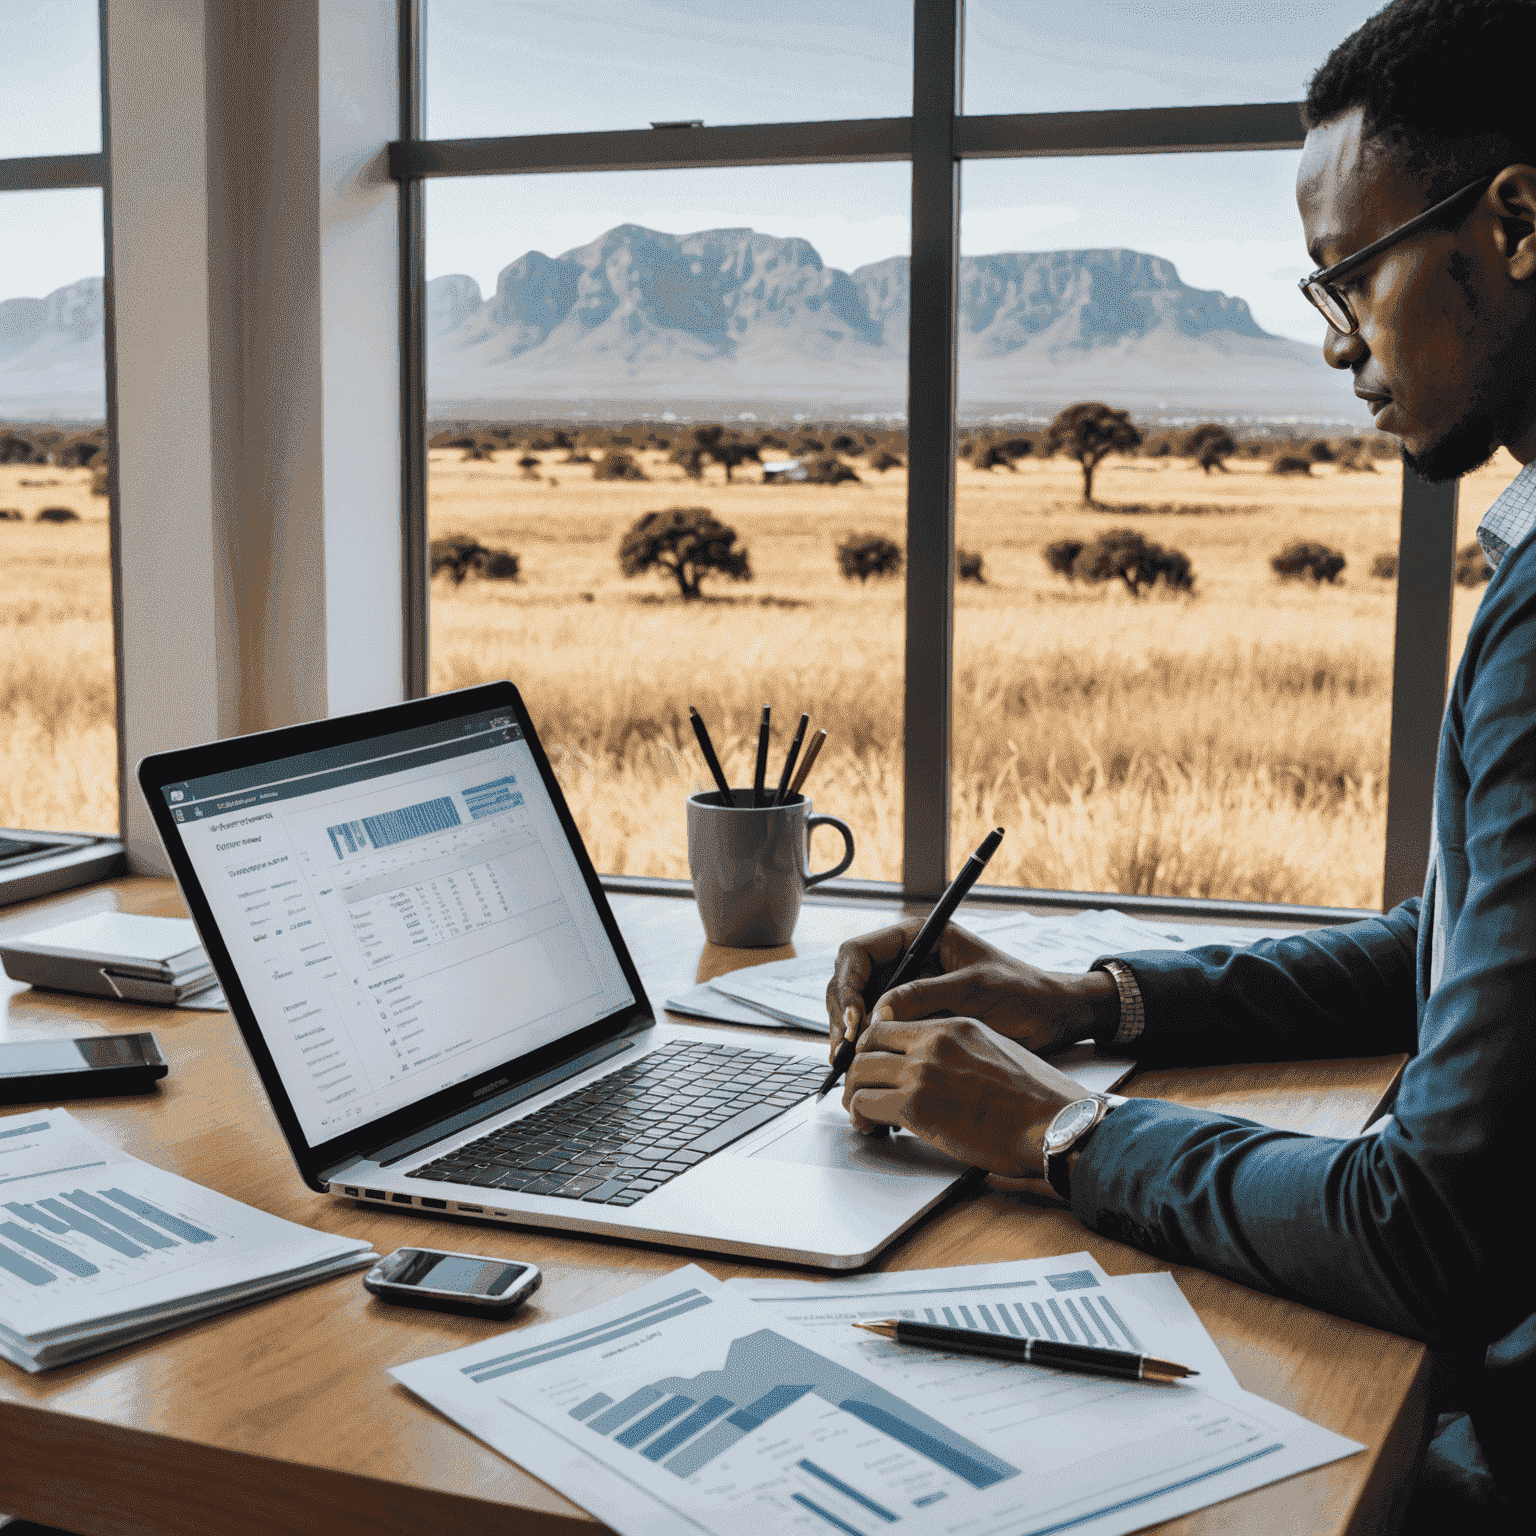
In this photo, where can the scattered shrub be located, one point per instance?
(459, 554)
(862, 555)
(58, 515)
(1291, 464)
(11, 515)
(16, 449)
(1356, 455)
(1472, 567)
(1306, 559)
(478, 451)
(883, 461)
(968, 564)
(1211, 445)
(1126, 555)
(616, 464)
(100, 474)
(829, 471)
(1321, 453)
(1384, 566)
(1088, 433)
(1062, 555)
(688, 543)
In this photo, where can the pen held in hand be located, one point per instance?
(1063, 1357)
(707, 747)
(920, 948)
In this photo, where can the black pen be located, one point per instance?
(761, 772)
(927, 936)
(1064, 1357)
(708, 748)
(789, 762)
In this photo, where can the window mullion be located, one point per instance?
(931, 447)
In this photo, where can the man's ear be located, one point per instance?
(1514, 194)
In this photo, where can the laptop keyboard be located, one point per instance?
(616, 1140)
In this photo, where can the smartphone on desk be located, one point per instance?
(443, 1281)
(46, 1071)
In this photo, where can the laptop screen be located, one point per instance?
(403, 912)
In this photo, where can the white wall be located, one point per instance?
(254, 265)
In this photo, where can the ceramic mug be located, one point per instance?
(749, 865)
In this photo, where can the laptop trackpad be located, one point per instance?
(828, 1141)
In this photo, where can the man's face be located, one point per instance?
(1433, 355)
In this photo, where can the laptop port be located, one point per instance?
(434, 1205)
(375, 1194)
(347, 1191)
(401, 1199)
(475, 1208)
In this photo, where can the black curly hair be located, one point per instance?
(1441, 82)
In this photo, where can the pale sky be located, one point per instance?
(539, 66)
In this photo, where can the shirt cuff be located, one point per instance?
(1133, 1012)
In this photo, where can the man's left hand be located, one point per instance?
(977, 1096)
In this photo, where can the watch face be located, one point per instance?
(1072, 1121)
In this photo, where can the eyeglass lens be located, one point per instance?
(1333, 308)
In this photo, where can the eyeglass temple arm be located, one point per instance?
(1387, 241)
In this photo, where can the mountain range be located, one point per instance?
(733, 315)
(637, 320)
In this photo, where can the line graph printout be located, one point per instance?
(91, 1238)
(687, 1405)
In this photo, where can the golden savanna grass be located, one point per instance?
(57, 710)
(1232, 744)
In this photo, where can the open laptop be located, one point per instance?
(445, 1016)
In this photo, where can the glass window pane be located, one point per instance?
(1039, 56)
(57, 690)
(51, 102)
(1220, 736)
(563, 66)
(607, 346)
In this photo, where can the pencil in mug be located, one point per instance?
(806, 761)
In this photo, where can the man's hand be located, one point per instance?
(1042, 1010)
(956, 1083)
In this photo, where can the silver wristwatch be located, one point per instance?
(1067, 1132)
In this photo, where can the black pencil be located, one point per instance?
(789, 762)
(997, 1346)
(761, 772)
(927, 936)
(707, 747)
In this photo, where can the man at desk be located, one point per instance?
(1421, 1228)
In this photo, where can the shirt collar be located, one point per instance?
(1511, 518)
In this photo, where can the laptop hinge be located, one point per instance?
(462, 1119)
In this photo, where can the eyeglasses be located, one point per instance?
(1332, 304)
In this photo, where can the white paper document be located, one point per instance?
(684, 1405)
(98, 1249)
(1073, 942)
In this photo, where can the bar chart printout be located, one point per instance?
(97, 1247)
(686, 1405)
(769, 1434)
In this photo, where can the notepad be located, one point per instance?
(114, 954)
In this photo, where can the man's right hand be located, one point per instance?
(1042, 1010)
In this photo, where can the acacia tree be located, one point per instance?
(862, 555)
(1088, 433)
(688, 543)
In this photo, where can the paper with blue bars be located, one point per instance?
(98, 1249)
(692, 1405)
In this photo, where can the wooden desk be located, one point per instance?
(279, 1418)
